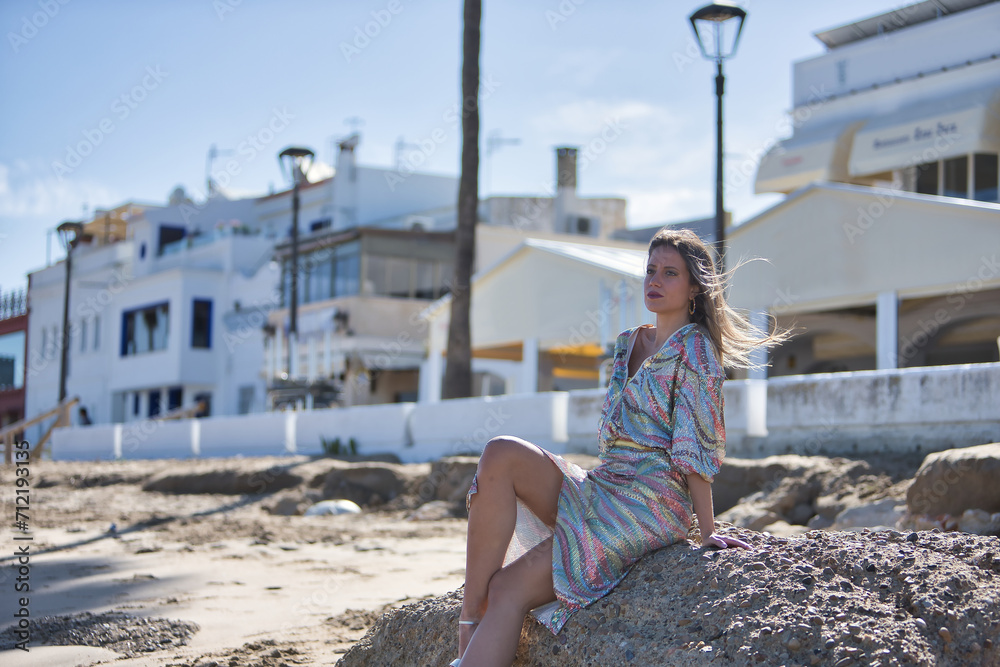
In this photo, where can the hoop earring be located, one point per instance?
(691, 307)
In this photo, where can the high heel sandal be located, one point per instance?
(457, 662)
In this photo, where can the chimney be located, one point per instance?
(566, 167)
(565, 200)
(345, 185)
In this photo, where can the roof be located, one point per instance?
(897, 19)
(829, 187)
(617, 260)
(622, 261)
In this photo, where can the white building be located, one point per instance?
(884, 252)
(364, 280)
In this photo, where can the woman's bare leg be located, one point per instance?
(513, 591)
(510, 468)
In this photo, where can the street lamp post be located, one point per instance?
(717, 27)
(295, 162)
(66, 229)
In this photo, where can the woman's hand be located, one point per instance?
(721, 542)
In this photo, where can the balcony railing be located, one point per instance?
(13, 304)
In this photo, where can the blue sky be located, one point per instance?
(147, 87)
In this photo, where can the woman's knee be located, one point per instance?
(504, 592)
(500, 452)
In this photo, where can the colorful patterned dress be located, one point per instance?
(636, 500)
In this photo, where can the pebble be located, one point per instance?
(945, 634)
(828, 572)
(921, 623)
(846, 660)
(128, 635)
(766, 630)
(912, 537)
(854, 628)
(870, 567)
(793, 644)
(830, 643)
(988, 644)
(758, 566)
(786, 561)
(840, 617)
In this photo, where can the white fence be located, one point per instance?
(918, 409)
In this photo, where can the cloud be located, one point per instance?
(582, 67)
(31, 191)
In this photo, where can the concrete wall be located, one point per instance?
(465, 425)
(915, 409)
(908, 410)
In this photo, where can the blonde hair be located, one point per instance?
(733, 335)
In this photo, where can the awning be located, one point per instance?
(814, 154)
(929, 131)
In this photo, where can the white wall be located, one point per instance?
(915, 409)
(466, 424)
(968, 35)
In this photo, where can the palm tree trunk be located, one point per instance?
(458, 373)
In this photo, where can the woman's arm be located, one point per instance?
(701, 498)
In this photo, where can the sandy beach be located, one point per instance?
(261, 589)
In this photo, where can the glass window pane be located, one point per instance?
(425, 287)
(956, 177)
(347, 275)
(986, 177)
(399, 276)
(320, 277)
(927, 178)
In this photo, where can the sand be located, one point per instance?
(261, 589)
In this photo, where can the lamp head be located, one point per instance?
(295, 163)
(717, 27)
(69, 232)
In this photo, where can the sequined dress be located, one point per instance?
(636, 500)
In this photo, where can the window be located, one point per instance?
(83, 335)
(927, 178)
(135, 403)
(97, 332)
(205, 398)
(347, 270)
(174, 396)
(246, 399)
(145, 329)
(169, 234)
(45, 342)
(201, 324)
(154, 402)
(986, 175)
(320, 277)
(956, 177)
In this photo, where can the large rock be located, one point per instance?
(236, 480)
(826, 598)
(372, 483)
(956, 480)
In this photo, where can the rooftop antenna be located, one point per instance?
(213, 153)
(401, 146)
(493, 142)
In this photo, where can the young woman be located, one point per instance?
(662, 440)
